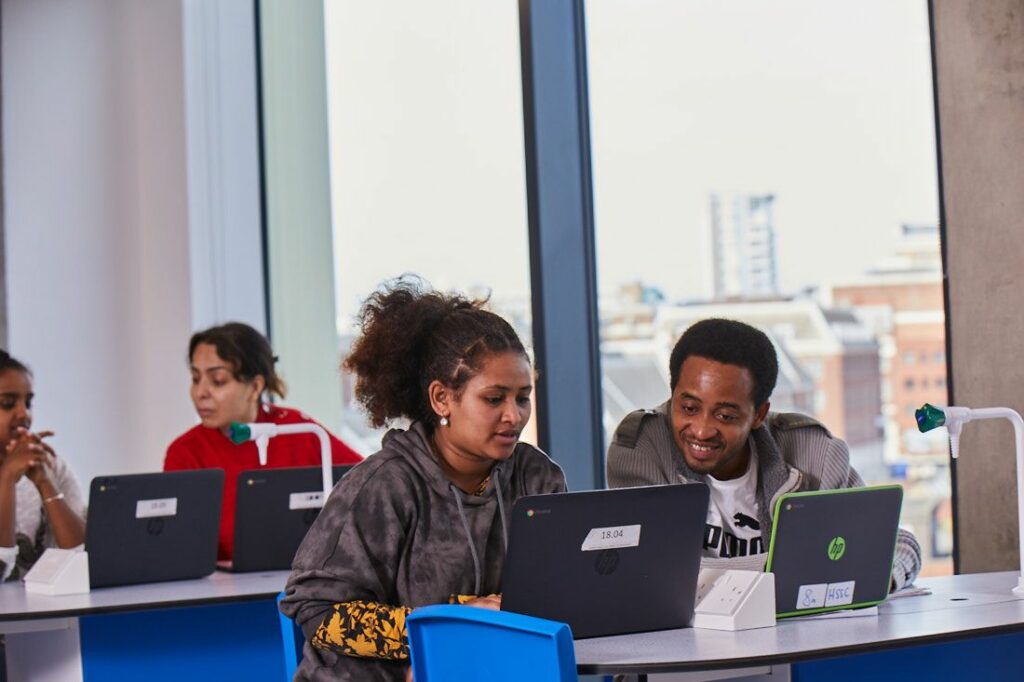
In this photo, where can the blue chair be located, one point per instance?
(449, 642)
(291, 641)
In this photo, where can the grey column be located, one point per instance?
(561, 219)
(979, 66)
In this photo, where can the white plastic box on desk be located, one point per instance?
(734, 600)
(59, 572)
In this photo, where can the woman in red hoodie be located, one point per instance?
(232, 369)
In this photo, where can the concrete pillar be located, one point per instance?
(979, 61)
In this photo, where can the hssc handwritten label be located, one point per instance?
(313, 500)
(825, 595)
(167, 506)
(614, 537)
(838, 594)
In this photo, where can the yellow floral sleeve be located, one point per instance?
(365, 629)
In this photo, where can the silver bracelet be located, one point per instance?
(58, 496)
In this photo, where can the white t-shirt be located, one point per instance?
(733, 529)
(29, 519)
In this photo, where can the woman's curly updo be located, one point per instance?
(411, 336)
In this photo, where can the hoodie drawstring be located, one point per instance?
(469, 537)
(496, 479)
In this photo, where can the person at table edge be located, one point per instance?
(716, 428)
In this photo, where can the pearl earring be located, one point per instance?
(443, 421)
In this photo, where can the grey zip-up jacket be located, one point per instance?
(396, 531)
(794, 453)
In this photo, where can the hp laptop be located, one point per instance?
(607, 562)
(273, 510)
(833, 549)
(146, 528)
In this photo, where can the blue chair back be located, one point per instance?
(291, 641)
(450, 642)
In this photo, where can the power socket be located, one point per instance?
(734, 600)
(727, 591)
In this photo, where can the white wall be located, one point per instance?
(97, 247)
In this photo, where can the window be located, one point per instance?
(426, 158)
(725, 164)
(393, 144)
(736, 177)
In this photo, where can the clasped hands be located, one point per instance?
(29, 455)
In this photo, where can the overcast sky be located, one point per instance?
(825, 104)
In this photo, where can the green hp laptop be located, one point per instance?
(833, 549)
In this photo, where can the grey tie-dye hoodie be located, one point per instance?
(395, 530)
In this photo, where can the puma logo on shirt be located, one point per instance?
(743, 521)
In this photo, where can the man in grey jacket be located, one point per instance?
(716, 428)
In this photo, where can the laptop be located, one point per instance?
(607, 562)
(147, 528)
(273, 510)
(833, 549)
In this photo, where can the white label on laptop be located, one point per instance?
(838, 594)
(811, 596)
(313, 500)
(614, 537)
(167, 506)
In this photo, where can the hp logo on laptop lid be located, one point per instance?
(836, 548)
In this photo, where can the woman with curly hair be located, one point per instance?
(422, 521)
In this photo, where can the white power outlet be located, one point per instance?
(727, 592)
(705, 580)
(734, 600)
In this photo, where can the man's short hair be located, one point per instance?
(731, 343)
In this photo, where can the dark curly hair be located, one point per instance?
(9, 362)
(412, 336)
(245, 349)
(731, 343)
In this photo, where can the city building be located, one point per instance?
(831, 347)
(743, 246)
(900, 300)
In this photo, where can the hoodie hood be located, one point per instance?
(414, 447)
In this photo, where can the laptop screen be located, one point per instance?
(145, 528)
(273, 510)
(607, 561)
(833, 549)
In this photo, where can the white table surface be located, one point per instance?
(959, 607)
(16, 604)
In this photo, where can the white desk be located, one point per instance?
(48, 638)
(44, 640)
(959, 607)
